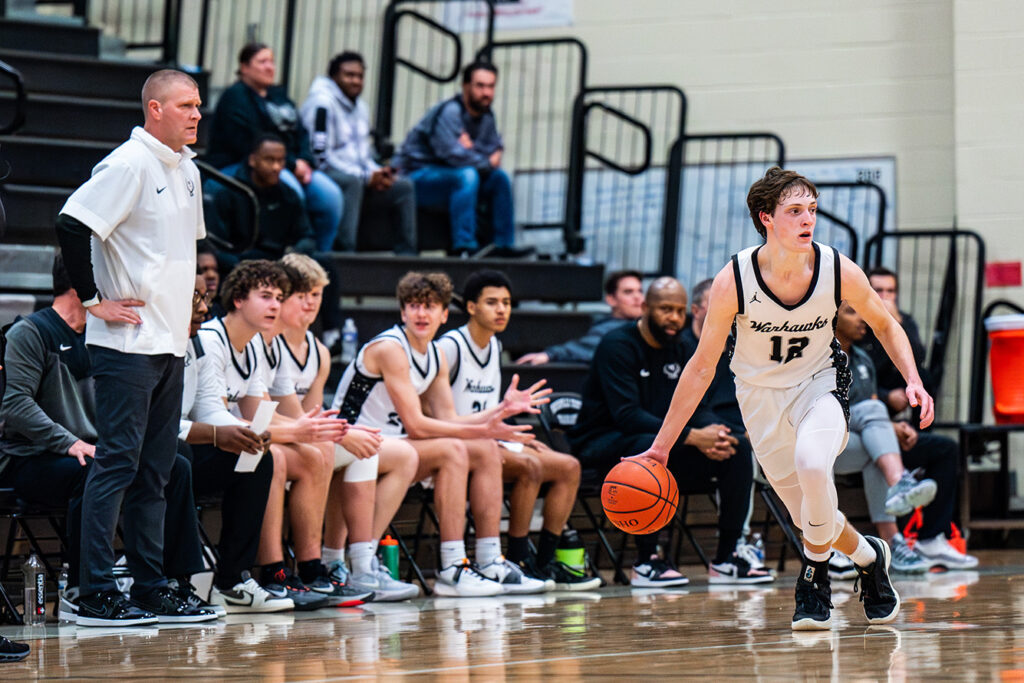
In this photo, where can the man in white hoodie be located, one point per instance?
(339, 126)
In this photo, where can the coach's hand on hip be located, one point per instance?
(114, 311)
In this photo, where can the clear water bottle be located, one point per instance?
(758, 543)
(35, 591)
(349, 341)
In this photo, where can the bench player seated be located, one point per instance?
(473, 354)
(399, 383)
(301, 448)
(367, 490)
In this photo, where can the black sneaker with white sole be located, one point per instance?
(813, 598)
(169, 607)
(10, 651)
(111, 608)
(881, 601)
(340, 593)
(656, 573)
(737, 570)
(286, 584)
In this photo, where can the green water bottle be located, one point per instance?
(389, 555)
(572, 553)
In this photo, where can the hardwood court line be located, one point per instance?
(595, 655)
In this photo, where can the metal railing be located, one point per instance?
(941, 277)
(849, 214)
(17, 120)
(232, 185)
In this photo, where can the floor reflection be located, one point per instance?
(952, 625)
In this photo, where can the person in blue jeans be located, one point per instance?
(253, 106)
(453, 157)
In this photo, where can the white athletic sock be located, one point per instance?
(817, 557)
(864, 554)
(487, 550)
(330, 555)
(361, 557)
(452, 552)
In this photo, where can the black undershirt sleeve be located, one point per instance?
(75, 240)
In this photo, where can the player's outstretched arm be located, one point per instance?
(858, 293)
(700, 370)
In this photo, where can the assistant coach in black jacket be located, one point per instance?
(625, 398)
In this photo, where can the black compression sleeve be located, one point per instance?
(76, 245)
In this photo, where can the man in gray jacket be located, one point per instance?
(339, 126)
(49, 437)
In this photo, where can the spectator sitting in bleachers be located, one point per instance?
(882, 451)
(208, 265)
(372, 473)
(212, 438)
(283, 225)
(891, 386)
(473, 353)
(339, 126)
(302, 449)
(453, 157)
(399, 384)
(625, 399)
(624, 294)
(48, 444)
(254, 105)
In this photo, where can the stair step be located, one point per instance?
(26, 268)
(76, 118)
(76, 75)
(555, 281)
(55, 163)
(62, 37)
(528, 330)
(31, 212)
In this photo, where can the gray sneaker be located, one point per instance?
(909, 493)
(384, 587)
(907, 560)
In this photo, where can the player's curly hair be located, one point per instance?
(250, 275)
(422, 288)
(768, 192)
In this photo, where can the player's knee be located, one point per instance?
(530, 470)
(569, 471)
(812, 470)
(457, 455)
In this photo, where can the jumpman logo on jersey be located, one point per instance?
(754, 299)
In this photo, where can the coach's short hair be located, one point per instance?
(611, 283)
(250, 275)
(768, 192)
(479, 279)
(303, 272)
(155, 87)
(422, 288)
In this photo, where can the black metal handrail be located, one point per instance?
(233, 185)
(18, 119)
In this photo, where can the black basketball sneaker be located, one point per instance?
(881, 601)
(813, 598)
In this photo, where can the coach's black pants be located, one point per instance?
(939, 456)
(59, 480)
(694, 473)
(138, 404)
(245, 500)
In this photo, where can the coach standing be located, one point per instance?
(134, 225)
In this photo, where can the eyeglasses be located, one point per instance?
(205, 297)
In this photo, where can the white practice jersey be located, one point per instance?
(474, 373)
(779, 345)
(362, 397)
(292, 376)
(237, 371)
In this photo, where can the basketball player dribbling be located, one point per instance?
(780, 299)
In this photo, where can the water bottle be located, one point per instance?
(389, 555)
(349, 341)
(35, 591)
(571, 552)
(758, 547)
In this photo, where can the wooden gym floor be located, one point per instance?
(955, 625)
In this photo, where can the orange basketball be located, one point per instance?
(640, 496)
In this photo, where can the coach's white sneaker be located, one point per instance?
(249, 596)
(512, 578)
(463, 580)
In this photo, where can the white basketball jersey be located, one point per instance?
(779, 345)
(362, 397)
(292, 376)
(474, 373)
(238, 371)
(268, 358)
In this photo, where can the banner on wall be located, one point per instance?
(510, 15)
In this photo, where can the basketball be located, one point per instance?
(639, 496)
